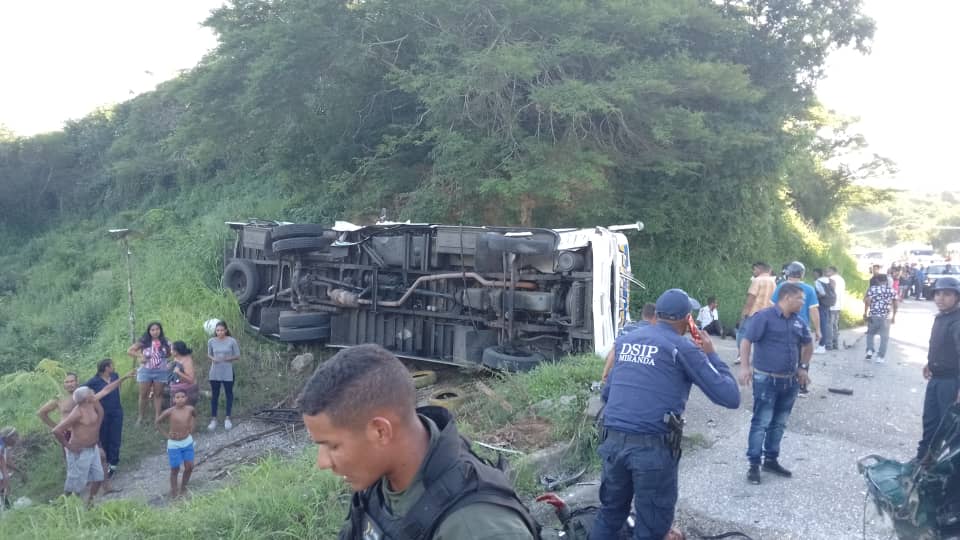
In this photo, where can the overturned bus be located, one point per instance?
(501, 297)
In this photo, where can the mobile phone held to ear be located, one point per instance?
(694, 331)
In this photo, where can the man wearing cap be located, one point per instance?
(646, 392)
(942, 370)
(781, 361)
(810, 312)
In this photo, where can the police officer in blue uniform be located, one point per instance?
(645, 396)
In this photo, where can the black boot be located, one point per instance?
(771, 465)
(753, 475)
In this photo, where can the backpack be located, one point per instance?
(829, 298)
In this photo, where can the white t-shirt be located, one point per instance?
(839, 287)
(707, 316)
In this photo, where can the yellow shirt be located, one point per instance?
(761, 287)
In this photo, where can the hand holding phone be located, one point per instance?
(694, 331)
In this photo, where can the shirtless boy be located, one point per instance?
(179, 440)
(65, 404)
(83, 457)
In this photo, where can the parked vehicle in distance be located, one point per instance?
(935, 272)
(502, 297)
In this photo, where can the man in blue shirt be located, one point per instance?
(653, 371)
(920, 278)
(781, 364)
(111, 428)
(810, 312)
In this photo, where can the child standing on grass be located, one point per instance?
(179, 440)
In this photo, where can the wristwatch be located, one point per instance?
(805, 367)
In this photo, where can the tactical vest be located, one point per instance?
(453, 477)
(942, 354)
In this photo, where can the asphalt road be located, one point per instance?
(825, 436)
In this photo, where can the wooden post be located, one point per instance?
(131, 316)
(121, 234)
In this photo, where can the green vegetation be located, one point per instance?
(292, 499)
(697, 117)
(70, 310)
(909, 217)
(524, 395)
(272, 499)
(693, 116)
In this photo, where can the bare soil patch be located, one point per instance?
(526, 433)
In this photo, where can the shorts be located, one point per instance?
(180, 452)
(83, 467)
(152, 375)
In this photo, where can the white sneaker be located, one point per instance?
(869, 356)
(227, 424)
(880, 360)
(820, 350)
(212, 425)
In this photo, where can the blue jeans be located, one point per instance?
(741, 330)
(834, 342)
(215, 396)
(773, 399)
(878, 326)
(825, 339)
(643, 472)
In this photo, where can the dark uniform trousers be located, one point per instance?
(944, 364)
(111, 430)
(642, 468)
(940, 395)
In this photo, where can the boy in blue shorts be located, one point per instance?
(179, 440)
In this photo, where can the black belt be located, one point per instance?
(647, 440)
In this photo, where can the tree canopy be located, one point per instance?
(503, 111)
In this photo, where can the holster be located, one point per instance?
(675, 434)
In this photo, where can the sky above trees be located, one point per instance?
(902, 92)
(70, 58)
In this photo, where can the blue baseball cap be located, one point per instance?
(675, 305)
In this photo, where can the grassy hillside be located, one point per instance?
(292, 499)
(66, 308)
(272, 499)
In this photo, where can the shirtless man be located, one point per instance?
(65, 404)
(83, 457)
(179, 440)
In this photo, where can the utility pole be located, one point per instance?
(121, 234)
